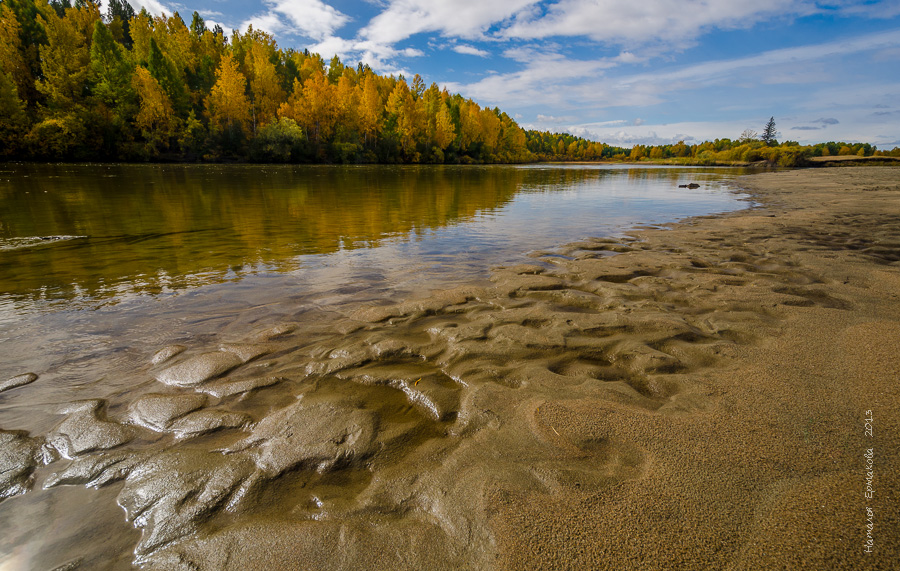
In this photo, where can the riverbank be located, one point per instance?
(762, 463)
(689, 397)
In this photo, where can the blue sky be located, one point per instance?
(622, 72)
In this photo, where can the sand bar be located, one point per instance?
(693, 397)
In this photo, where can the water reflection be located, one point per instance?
(88, 232)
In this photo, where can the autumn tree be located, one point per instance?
(65, 59)
(445, 131)
(312, 106)
(111, 69)
(407, 118)
(13, 120)
(22, 33)
(347, 108)
(370, 110)
(141, 30)
(166, 73)
(265, 84)
(155, 119)
(227, 106)
(13, 54)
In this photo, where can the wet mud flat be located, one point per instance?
(691, 397)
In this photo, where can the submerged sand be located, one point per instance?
(693, 397)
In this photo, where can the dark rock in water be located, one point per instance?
(199, 369)
(690, 185)
(86, 430)
(171, 494)
(18, 381)
(320, 436)
(157, 412)
(19, 456)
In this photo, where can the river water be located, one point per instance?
(102, 266)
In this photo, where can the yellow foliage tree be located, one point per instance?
(445, 131)
(264, 82)
(470, 125)
(227, 103)
(66, 58)
(347, 104)
(409, 125)
(12, 60)
(490, 127)
(155, 119)
(141, 28)
(12, 117)
(370, 109)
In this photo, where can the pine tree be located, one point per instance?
(769, 133)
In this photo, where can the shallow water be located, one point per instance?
(262, 276)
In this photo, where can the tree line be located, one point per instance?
(747, 149)
(76, 84)
(79, 85)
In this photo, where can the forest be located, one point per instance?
(79, 85)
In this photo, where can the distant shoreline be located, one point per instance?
(811, 162)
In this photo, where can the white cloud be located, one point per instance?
(649, 21)
(458, 18)
(377, 56)
(311, 18)
(153, 6)
(658, 134)
(552, 119)
(551, 79)
(718, 70)
(537, 82)
(470, 50)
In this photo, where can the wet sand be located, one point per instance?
(693, 397)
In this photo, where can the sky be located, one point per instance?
(621, 72)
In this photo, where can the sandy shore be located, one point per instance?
(693, 397)
(767, 468)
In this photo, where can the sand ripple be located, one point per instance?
(408, 435)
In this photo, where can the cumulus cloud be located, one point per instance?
(648, 21)
(153, 6)
(310, 18)
(552, 79)
(553, 119)
(470, 50)
(457, 18)
(538, 81)
(377, 56)
(720, 70)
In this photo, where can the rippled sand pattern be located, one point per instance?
(575, 413)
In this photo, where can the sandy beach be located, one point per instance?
(722, 393)
(759, 460)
